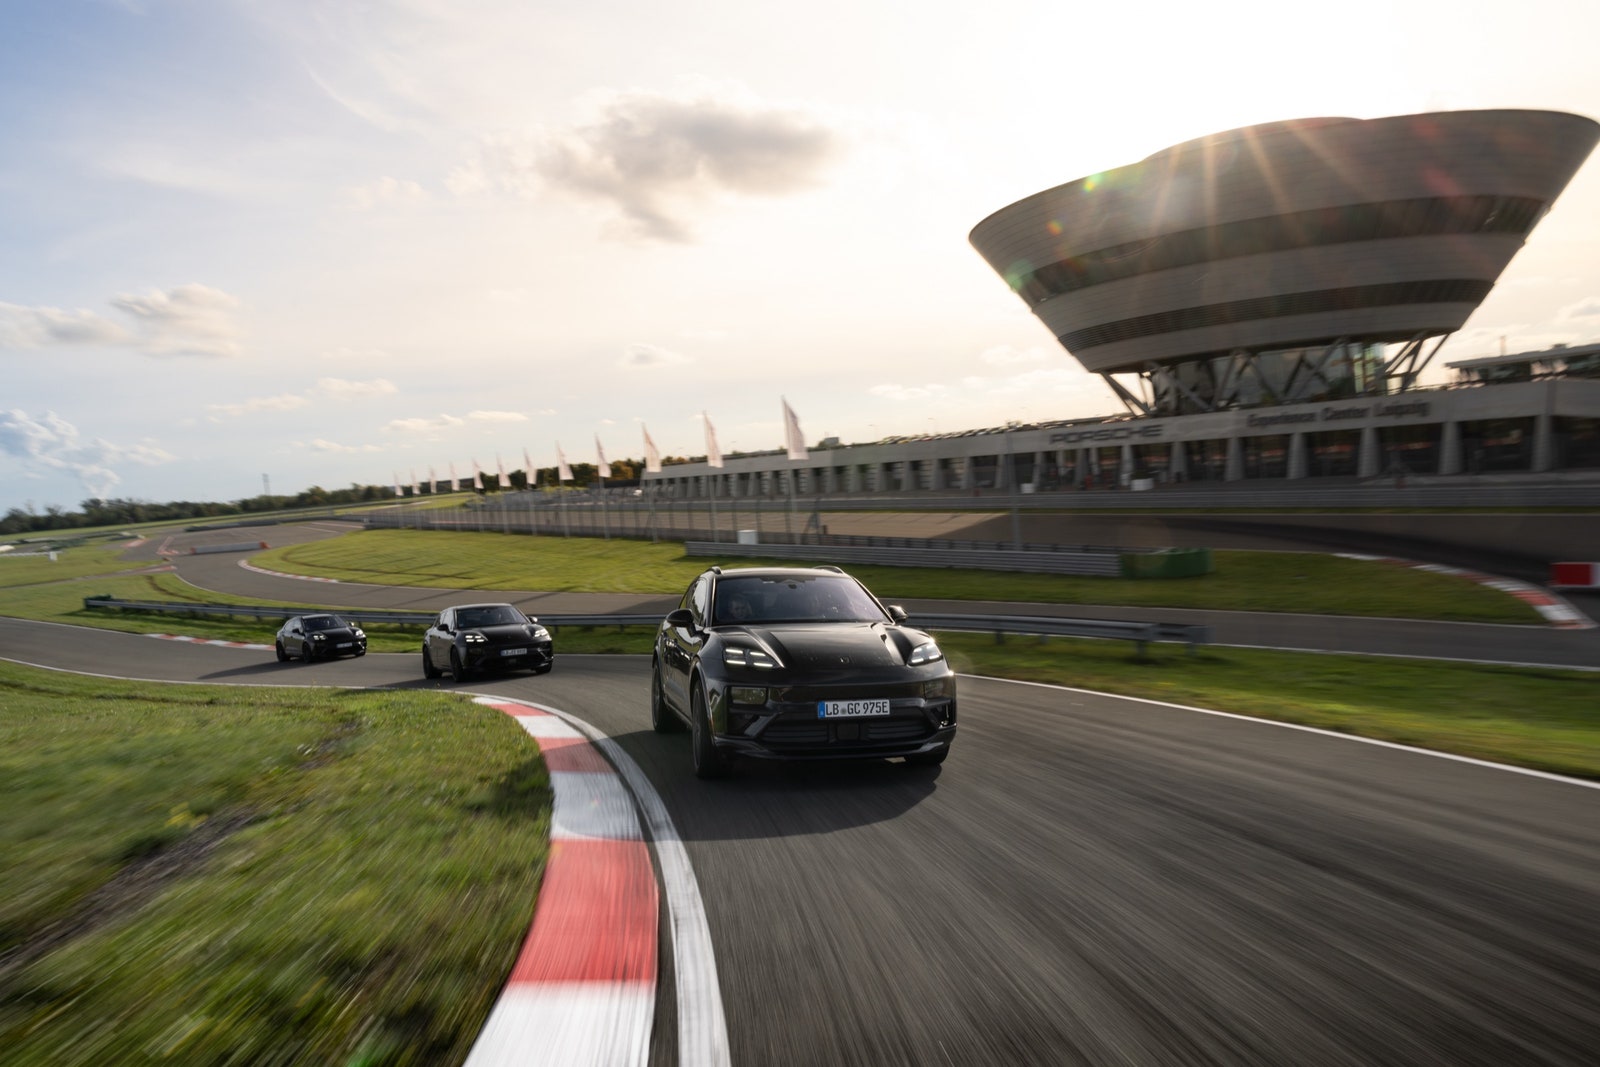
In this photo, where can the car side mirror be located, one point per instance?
(898, 614)
(681, 617)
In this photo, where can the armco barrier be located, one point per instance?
(1141, 633)
(240, 546)
(1105, 563)
(1575, 575)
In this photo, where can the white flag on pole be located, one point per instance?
(563, 472)
(713, 453)
(505, 483)
(414, 481)
(396, 483)
(793, 439)
(455, 483)
(652, 455)
(477, 476)
(433, 481)
(527, 467)
(600, 451)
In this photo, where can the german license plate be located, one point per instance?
(844, 709)
(513, 652)
(345, 644)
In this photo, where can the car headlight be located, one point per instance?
(925, 653)
(539, 633)
(358, 631)
(474, 638)
(750, 657)
(319, 637)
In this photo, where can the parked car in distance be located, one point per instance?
(320, 636)
(798, 663)
(485, 637)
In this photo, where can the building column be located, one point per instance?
(1125, 467)
(1086, 460)
(1544, 443)
(1233, 468)
(1177, 462)
(1369, 462)
(1297, 455)
(1450, 448)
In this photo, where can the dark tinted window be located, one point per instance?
(797, 598)
(490, 615)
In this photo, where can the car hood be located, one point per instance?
(831, 646)
(510, 631)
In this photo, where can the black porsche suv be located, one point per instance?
(798, 663)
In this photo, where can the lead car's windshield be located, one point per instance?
(824, 598)
(493, 615)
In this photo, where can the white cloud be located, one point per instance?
(386, 192)
(189, 320)
(496, 416)
(657, 159)
(1006, 355)
(344, 389)
(320, 445)
(281, 402)
(1587, 308)
(900, 393)
(642, 355)
(441, 422)
(50, 442)
(40, 327)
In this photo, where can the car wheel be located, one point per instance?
(283, 657)
(928, 759)
(708, 762)
(457, 671)
(662, 720)
(305, 652)
(429, 671)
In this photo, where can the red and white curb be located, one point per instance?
(209, 641)
(1556, 611)
(583, 989)
(279, 574)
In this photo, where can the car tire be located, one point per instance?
(928, 759)
(305, 652)
(283, 657)
(429, 671)
(708, 762)
(662, 720)
(457, 671)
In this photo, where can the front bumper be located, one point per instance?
(788, 725)
(533, 655)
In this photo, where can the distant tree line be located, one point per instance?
(98, 512)
(119, 512)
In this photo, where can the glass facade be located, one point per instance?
(1283, 376)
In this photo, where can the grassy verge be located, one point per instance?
(1543, 719)
(211, 875)
(1244, 581)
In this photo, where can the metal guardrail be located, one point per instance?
(257, 611)
(1103, 563)
(1141, 633)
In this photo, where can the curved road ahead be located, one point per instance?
(1089, 879)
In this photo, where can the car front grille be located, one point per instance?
(815, 733)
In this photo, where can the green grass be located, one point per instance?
(1543, 719)
(24, 569)
(1244, 581)
(346, 876)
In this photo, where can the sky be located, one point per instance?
(320, 242)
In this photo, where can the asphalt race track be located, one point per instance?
(1089, 879)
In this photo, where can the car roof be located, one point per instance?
(501, 604)
(776, 572)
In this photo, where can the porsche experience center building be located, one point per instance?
(1264, 301)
